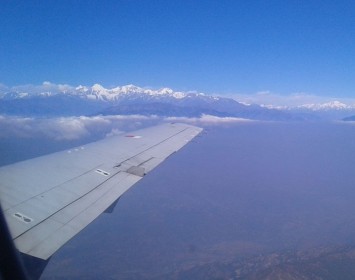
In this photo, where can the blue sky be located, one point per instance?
(224, 47)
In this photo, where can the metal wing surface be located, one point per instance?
(49, 199)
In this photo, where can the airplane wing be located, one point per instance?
(48, 200)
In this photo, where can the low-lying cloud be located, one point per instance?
(70, 128)
(208, 120)
(73, 128)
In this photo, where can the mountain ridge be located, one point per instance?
(63, 100)
(128, 99)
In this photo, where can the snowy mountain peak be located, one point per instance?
(98, 92)
(332, 105)
(81, 88)
(130, 88)
(166, 91)
(336, 104)
(98, 88)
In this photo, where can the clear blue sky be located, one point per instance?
(208, 45)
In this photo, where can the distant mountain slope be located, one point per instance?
(130, 99)
(333, 110)
(333, 105)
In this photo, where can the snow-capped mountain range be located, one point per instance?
(332, 105)
(52, 100)
(96, 92)
(327, 106)
(64, 100)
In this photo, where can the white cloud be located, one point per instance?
(114, 132)
(66, 128)
(208, 119)
(71, 128)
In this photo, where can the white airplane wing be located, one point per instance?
(48, 200)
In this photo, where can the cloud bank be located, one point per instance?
(73, 128)
(70, 128)
(209, 120)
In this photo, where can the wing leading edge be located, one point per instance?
(48, 200)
